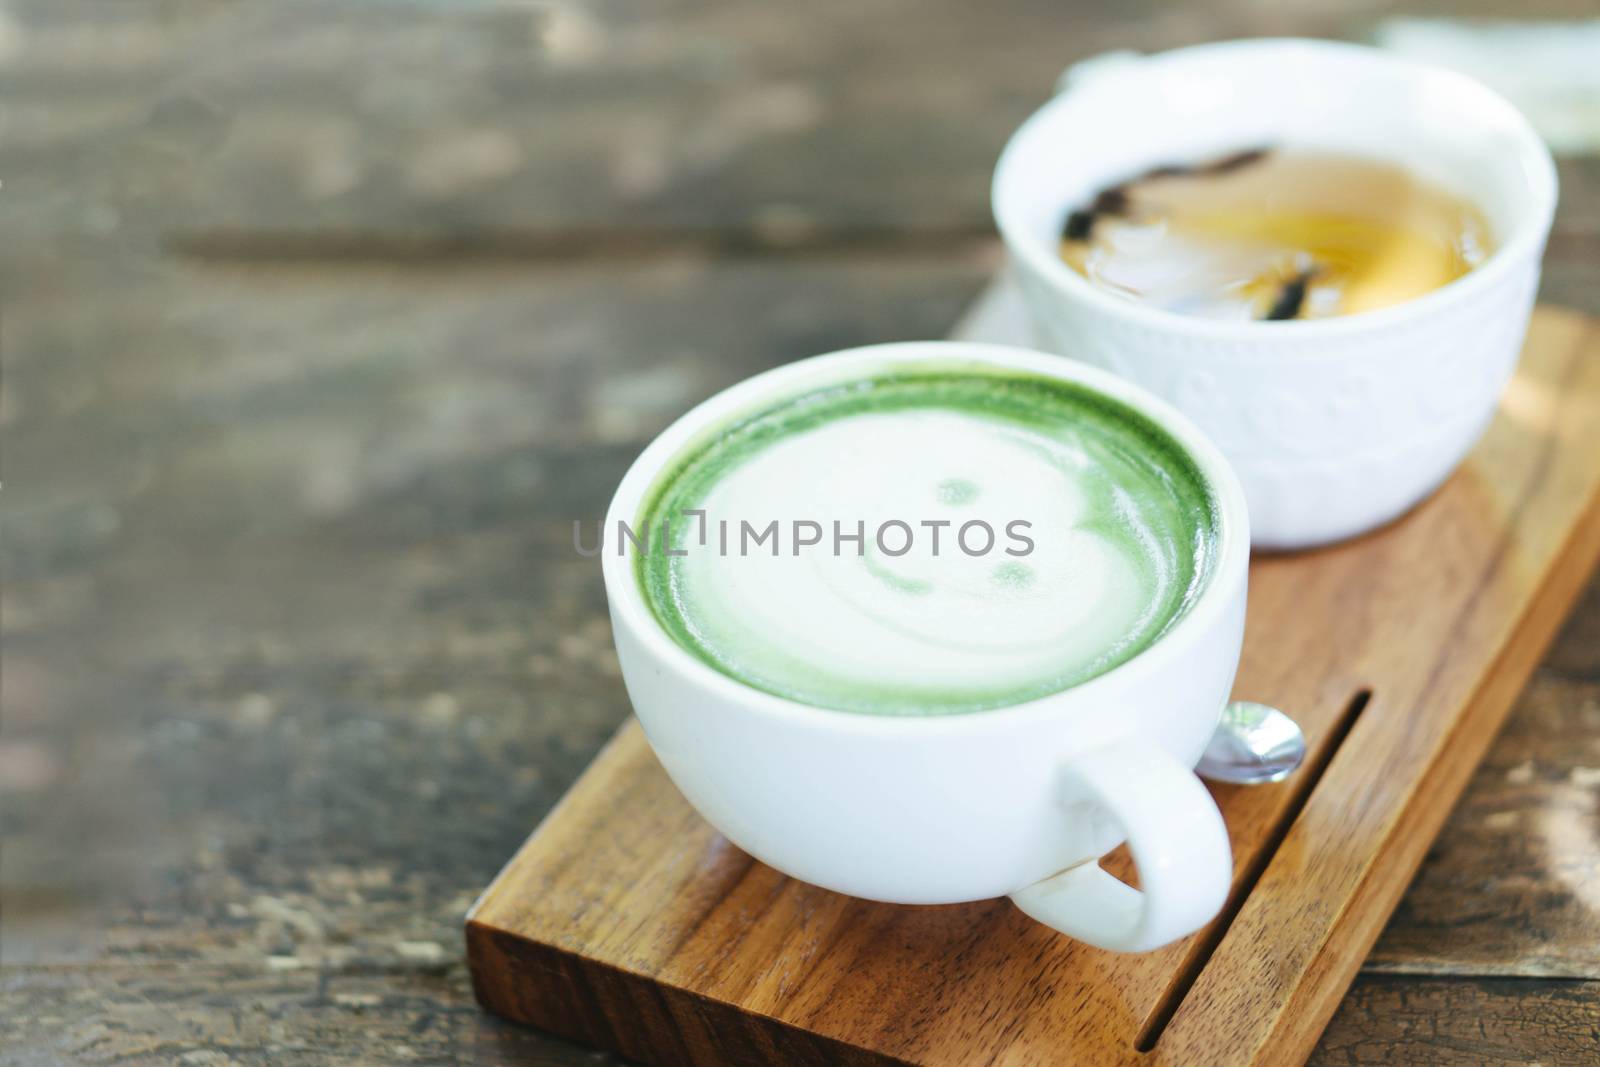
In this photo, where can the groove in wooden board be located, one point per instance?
(626, 877)
(1305, 782)
(1307, 991)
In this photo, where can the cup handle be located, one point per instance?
(1178, 841)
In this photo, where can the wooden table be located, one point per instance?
(319, 327)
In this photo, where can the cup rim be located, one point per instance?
(630, 609)
(1521, 245)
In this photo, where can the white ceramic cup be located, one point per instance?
(940, 809)
(1334, 426)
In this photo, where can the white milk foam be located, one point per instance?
(922, 622)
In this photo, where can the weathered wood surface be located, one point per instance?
(294, 651)
(256, 129)
(166, 1014)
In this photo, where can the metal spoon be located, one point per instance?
(1253, 744)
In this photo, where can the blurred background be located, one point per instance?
(321, 322)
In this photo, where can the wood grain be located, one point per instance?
(287, 554)
(1512, 885)
(434, 129)
(627, 922)
(1468, 1023)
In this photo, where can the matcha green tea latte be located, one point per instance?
(935, 540)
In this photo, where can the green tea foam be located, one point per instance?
(1018, 535)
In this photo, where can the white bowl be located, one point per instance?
(1334, 426)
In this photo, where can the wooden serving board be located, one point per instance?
(627, 922)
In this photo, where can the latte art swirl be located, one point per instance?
(1021, 535)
